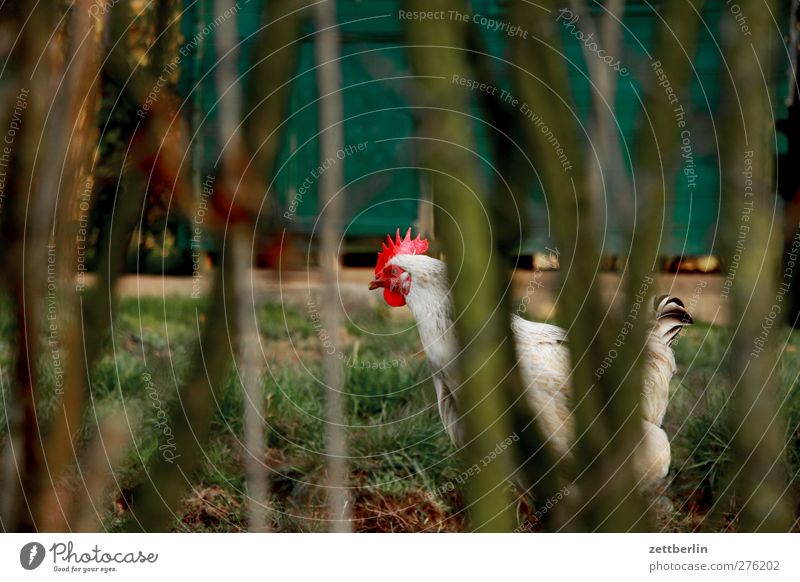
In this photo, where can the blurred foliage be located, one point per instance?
(152, 44)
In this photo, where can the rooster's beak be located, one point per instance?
(375, 283)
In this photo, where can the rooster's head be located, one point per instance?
(396, 282)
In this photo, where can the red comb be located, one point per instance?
(404, 246)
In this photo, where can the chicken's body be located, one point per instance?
(544, 361)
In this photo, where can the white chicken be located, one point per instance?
(408, 277)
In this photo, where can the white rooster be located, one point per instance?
(408, 277)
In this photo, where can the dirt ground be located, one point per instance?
(534, 292)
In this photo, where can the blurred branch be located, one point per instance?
(606, 424)
(273, 70)
(749, 141)
(250, 374)
(658, 139)
(329, 83)
(102, 457)
(539, 470)
(155, 500)
(235, 203)
(142, 161)
(25, 258)
(74, 144)
(607, 174)
(655, 177)
(158, 150)
(164, 23)
(242, 237)
(490, 396)
(510, 186)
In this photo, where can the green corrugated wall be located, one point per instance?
(382, 185)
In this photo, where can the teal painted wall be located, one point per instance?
(382, 185)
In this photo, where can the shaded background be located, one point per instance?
(184, 139)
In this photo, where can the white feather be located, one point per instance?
(544, 361)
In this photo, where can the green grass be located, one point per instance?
(701, 427)
(398, 449)
(398, 446)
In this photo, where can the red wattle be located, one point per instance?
(393, 298)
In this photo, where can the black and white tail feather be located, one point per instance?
(671, 317)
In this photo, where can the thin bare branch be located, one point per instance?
(25, 270)
(329, 82)
(241, 236)
(606, 425)
(61, 185)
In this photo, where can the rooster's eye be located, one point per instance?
(394, 271)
